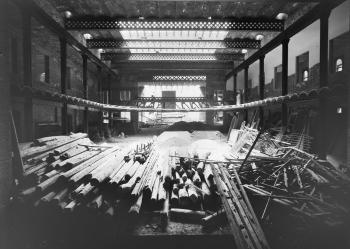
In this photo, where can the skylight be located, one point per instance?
(174, 34)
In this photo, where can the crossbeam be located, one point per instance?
(165, 66)
(174, 44)
(171, 57)
(172, 99)
(324, 92)
(104, 22)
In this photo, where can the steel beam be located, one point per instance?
(171, 57)
(85, 88)
(105, 22)
(63, 59)
(173, 44)
(293, 29)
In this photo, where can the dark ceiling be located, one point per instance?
(176, 11)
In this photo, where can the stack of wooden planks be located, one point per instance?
(244, 224)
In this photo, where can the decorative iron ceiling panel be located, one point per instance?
(82, 23)
(197, 44)
(172, 57)
(180, 77)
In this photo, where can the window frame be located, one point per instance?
(336, 66)
(308, 75)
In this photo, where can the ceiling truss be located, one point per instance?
(173, 44)
(96, 23)
(171, 57)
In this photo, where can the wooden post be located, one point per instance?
(27, 74)
(235, 88)
(285, 80)
(246, 89)
(85, 86)
(323, 131)
(261, 86)
(63, 53)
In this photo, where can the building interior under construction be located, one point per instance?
(174, 123)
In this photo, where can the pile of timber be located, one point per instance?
(67, 172)
(193, 193)
(289, 176)
(76, 175)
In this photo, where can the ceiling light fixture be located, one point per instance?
(259, 37)
(282, 16)
(87, 36)
(68, 14)
(244, 51)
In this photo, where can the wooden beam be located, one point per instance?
(293, 29)
(285, 81)
(63, 59)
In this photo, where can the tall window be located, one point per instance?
(339, 65)
(47, 68)
(125, 95)
(305, 75)
(278, 77)
(302, 67)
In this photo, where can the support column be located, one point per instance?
(285, 81)
(246, 93)
(109, 100)
(235, 88)
(27, 74)
(85, 86)
(323, 137)
(6, 179)
(324, 47)
(261, 87)
(100, 94)
(63, 54)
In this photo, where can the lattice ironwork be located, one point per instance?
(174, 51)
(180, 77)
(172, 57)
(80, 23)
(181, 102)
(171, 44)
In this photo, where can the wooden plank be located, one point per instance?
(230, 217)
(17, 161)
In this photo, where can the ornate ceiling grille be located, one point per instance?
(180, 77)
(113, 43)
(163, 24)
(172, 57)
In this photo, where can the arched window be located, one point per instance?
(339, 65)
(305, 75)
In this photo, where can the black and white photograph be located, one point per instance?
(174, 124)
